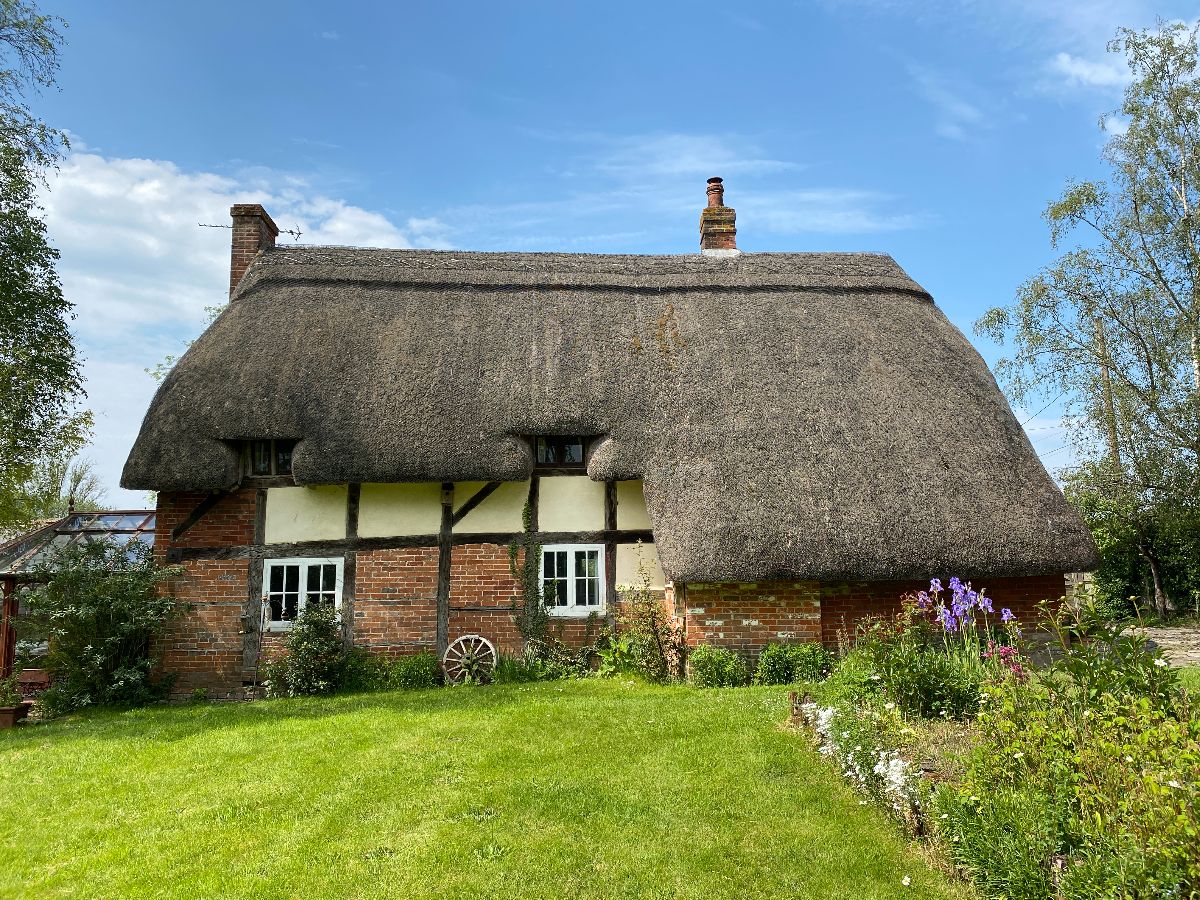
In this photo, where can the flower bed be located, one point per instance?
(1080, 778)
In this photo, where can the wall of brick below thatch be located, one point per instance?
(392, 609)
(747, 617)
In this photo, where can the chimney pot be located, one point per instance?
(253, 232)
(718, 223)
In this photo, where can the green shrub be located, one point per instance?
(789, 663)
(314, 658)
(99, 609)
(717, 667)
(9, 695)
(1108, 793)
(367, 671)
(648, 644)
(853, 679)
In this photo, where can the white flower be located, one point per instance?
(1018, 755)
(1128, 759)
(1161, 663)
(945, 815)
(906, 881)
(889, 705)
(1175, 784)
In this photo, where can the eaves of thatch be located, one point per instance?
(806, 416)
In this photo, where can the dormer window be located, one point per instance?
(262, 458)
(556, 452)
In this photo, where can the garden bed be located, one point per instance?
(1077, 779)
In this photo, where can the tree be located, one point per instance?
(53, 488)
(1113, 326)
(29, 43)
(40, 379)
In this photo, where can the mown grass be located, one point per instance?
(561, 789)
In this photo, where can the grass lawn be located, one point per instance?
(562, 789)
(1190, 678)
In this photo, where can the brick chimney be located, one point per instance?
(718, 234)
(253, 232)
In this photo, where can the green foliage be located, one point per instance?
(1113, 329)
(532, 617)
(314, 658)
(789, 663)
(710, 666)
(9, 695)
(29, 44)
(366, 671)
(1149, 551)
(543, 662)
(646, 643)
(1092, 799)
(40, 378)
(100, 608)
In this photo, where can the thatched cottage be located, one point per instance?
(783, 442)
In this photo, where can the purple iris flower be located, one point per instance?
(935, 584)
(956, 584)
(1006, 615)
(923, 600)
(948, 619)
(985, 603)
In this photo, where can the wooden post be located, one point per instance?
(445, 548)
(8, 634)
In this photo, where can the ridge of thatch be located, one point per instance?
(806, 416)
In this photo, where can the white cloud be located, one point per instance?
(1078, 72)
(329, 36)
(826, 211)
(140, 269)
(956, 118)
(645, 157)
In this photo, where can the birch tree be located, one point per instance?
(1113, 326)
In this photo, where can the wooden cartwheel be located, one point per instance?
(470, 657)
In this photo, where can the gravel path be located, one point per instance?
(1180, 645)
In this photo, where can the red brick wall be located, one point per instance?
(229, 523)
(204, 645)
(844, 604)
(747, 617)
(394, 608)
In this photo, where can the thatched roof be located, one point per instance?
(792, 415)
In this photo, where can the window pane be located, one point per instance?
(260, 458)
(314, 578)
(560, 593)
(291, 603)
(276, 580)
(572, 452)
(291, 578)
(283, 457)
(276, 608)
(544, 451)
(329, 577)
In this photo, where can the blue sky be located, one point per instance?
(936, 132)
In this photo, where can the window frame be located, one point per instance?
(558, 441)
(572, 610)
(273, 444)
(305, 563)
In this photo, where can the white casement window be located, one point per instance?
(291, 584)
(573, 579)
